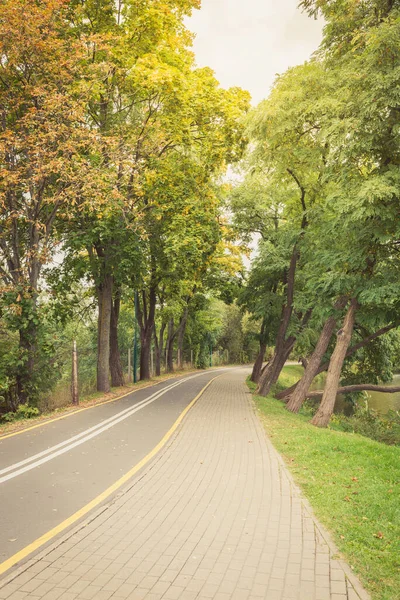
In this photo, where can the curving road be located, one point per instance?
(50, 472)
(215, 515)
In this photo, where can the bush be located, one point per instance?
(367, 422)
(24, 411)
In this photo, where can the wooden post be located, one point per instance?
(129, 366)
(179, 358)
(191, 358)
(152, 361)
(74, 385)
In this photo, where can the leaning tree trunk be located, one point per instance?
(104, 291)
(287, 392)
(359, 387)
(255, 375)
(312, 366)
(325, 410)
(280, 363)
(271, 374)
(117, 373)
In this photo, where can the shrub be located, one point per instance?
(367, 422)
(24, 411)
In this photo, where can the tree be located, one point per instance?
(45, 159)
(346, 155)
(288, 158)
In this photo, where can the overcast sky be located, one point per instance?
(247, 42)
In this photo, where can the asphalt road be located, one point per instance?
(49, 473)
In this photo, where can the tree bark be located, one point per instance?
(104, 294)
(117, 373)
(311, 369)
(159, 344)
(28, 332)
(181, 336)
(25, 375)
(286, 393)
(325, 410)
(271, 374)
(255, 375)
(146, 317)
(170, 347)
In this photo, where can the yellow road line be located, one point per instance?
(74, 412)
(10, 562)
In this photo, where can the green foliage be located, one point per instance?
(111, 153)
(231, 336)
(322, 173)
(23, 411)
(367, 422)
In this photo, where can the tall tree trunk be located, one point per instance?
(26, 373)
(28, 333)
(170, 347)
(117, 373)
(311, 369)
(145, 349)
(255, 375)
(159, 344)
(325, 410)
(146, 317)
(181, 336)
(104, 292)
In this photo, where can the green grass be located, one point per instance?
(353, 484)
(292, 373)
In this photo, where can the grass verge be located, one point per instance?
(353, 484)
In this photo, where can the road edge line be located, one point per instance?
(49, 535)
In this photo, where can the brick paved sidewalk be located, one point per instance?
(214, 516)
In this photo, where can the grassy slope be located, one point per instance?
(353, 484)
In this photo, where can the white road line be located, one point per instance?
(54, 451)
(82, 434)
